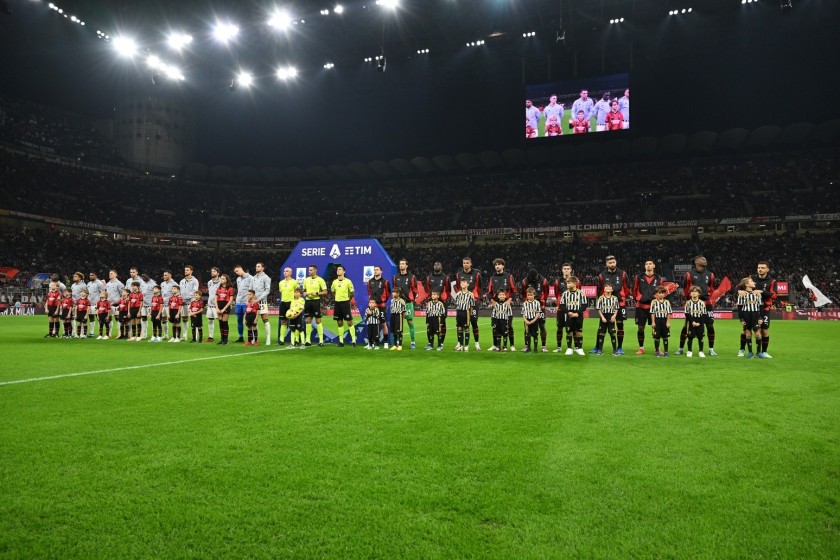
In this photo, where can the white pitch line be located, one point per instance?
(81, 373)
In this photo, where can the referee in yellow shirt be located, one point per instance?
(287, 294)
(342, 289)
(314, 288)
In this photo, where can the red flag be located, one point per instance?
(724, 286)
(421, 293)
(671, 287)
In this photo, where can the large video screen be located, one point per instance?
(579, 106)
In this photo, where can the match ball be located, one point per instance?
(290, 314)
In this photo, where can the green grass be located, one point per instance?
(347, 453)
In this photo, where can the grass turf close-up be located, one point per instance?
(200, 450)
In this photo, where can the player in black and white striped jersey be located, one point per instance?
(573, 303)
(501, 316)
(373, 319)
(435, 317)
(607, 306)
(531, 313)
(749, 313)
(464, 306)
(660, 310)
(397, 316)
(696, 315)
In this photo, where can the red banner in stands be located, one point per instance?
(7, 273)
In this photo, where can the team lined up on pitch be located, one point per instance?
(143, 310)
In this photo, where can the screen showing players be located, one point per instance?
(579, 106)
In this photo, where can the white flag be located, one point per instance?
(820, 297)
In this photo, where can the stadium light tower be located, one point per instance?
(178, 41)
(339, 9)
(286, 73)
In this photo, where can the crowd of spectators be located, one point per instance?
(733, 186)
(791, 256)
(53, 131)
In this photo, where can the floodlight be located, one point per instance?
(177, 41)
(225, 32)
(339, 9)
(329, 65)
(390, 4)
(287, 72)
(280, 19)
(125, 46)
(245, 79)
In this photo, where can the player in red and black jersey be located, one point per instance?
(224, 301)
(175, 304)
(552, 127)
(122, 313)
(156, 314)
(252, 307)
(379, 290)
(135, 305)
(407, 283)
(502, 281)
(644, 291)
(103, 314)
(621, 287)
(438, 281)
(560, 286)
(703, 279)
(581, 124)
(82, 307)
(614, 119)
(67, 313)
(530, 131)
(766, 286)
(539, 284)
(473, 278)
(196, 322)
(53, 306)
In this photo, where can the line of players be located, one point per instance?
(172, 304)
(609, 115)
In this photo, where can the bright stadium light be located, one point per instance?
(125, 46)
(245, 79)
(178, 41)
(329, 66)
(286, 72)
(225, 32)
(390, 4)
(154, 62)
(339, 9)
(325, 12)
(280, 19)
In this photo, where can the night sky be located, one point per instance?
(727, 66)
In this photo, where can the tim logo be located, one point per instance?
(300, 274)
(335, 252)
(368, 274)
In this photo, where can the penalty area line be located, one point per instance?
(142, 366)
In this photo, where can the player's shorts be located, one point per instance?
(185, 312)
(284, 307)
(122, 316)
(622, 314)
(52, 311)
(433, 323)
(145, 310)
(92, 311)
(155, 315)
(115, 310)
(251, 319)
(750, 320)
(342, 311)
(220, 307)
(409, 311)
(66, 314)
(600, 127)
(604, 326)
(461, 318)
(173, 315)
(765, 320)
(660, 328)
(711, 311)
(297, 324)
(643, 316)
(195, 321)
(541, 320)
(81, 316)
(575, 324)
(133, 312)
(263, 308)
(212, 312)
(103, 318)
(561, 319)
(312, 308)
(474, 316)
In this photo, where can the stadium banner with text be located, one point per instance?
(357, 256)
(782, 288)
(577, 106)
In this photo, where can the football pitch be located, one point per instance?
(203, 451)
